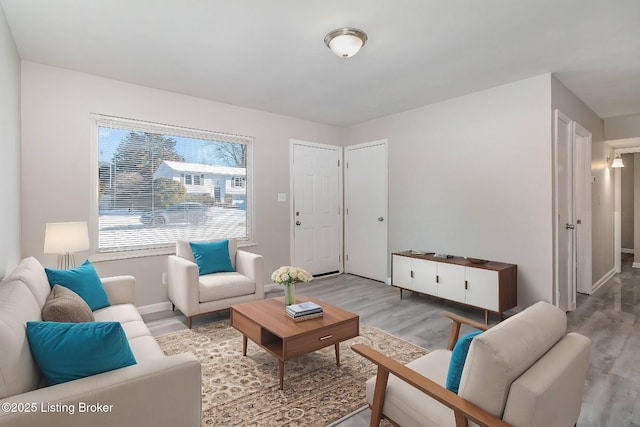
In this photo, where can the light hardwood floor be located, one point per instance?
(610, 318)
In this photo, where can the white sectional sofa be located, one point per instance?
(157, 391)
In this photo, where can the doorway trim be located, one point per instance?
(622, 146)
(338, 149)
(580, 155)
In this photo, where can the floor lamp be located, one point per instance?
(64, 239)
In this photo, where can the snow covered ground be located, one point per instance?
(123, 229)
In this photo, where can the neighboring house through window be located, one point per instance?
(160, 183)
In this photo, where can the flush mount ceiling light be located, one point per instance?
(345, 42)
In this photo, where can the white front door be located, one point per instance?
(366, 222)
(565, 289)
(316, 218)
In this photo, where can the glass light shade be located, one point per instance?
(66, 237)
(345, 45)
(345, 42)
(617, 163)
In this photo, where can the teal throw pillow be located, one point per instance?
(82, 280)
(458, 357)
(68, 351)
(212, 257)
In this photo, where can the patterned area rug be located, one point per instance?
(243, 391)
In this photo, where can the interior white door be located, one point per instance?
(366, 229)
(565, 289)
(582, 209)
(317, 238)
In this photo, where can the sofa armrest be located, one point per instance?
(183, 285)
(120, 289)
(252, 266)
(463, 410)
(161, 392)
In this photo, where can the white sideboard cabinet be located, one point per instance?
(491, 286)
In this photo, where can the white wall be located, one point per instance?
(602, 191)
(471, 176)
(622, 127)
(56, 105)
(9, 150)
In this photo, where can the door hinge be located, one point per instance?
(339, 259)
(346, 257)
(347, 211)
(338, 163)
(347, 165)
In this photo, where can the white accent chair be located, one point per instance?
(193, 294)
(524, 372)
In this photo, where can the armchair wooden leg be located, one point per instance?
(461, 420)
(189, 319)
(378, 396)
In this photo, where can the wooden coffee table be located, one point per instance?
(267, 324)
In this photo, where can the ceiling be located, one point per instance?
(270, 55)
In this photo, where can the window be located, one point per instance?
(146, 181)
(237, 182)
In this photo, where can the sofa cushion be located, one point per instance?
(31, 273)
(500, 355)
(212, 257)
(183, 250)
(219, 286)
(64, 305)
(84, 281)
(458, 358)
(405, 405)
(68, 351)
(18, 370)
(145, 348)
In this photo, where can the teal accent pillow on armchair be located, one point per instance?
(212, 257)
(458, 357)
(68, 351)
(84, 281)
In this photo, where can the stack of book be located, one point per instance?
(304, 311)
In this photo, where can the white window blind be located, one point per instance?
(160, 183)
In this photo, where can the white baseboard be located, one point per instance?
(626, 251)
(271, 287)
(635, 264)
(602, 280)
(154, 308)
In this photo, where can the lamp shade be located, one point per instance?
(617, 162)
(66, 237)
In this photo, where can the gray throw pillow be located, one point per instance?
(64, 305)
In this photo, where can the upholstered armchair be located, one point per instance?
(193, 293)
(525, 371)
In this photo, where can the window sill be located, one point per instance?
(143, 253)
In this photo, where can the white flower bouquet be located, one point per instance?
(288, 275)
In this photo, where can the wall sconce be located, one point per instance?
(64, 239)
(617, 161)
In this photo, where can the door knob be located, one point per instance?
(380, 219)
(570, 226)
(298, 223)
